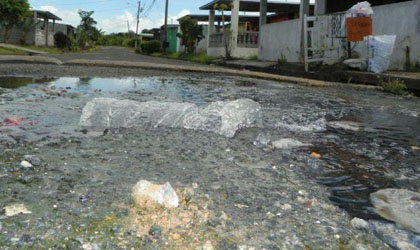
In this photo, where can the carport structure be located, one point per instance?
(244, 42)
(46, 16)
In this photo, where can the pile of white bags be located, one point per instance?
(380, 50)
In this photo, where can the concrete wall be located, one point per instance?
(280, 41)
(35, 38)
(15, 36)
(403, 20)
(237, 53)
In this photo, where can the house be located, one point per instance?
(42, 32)
(171, 37)
(245, 31)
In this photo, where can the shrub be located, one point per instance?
(131, 42)
(73, 46)
(395, 86)
(150, 47)
(61, 41)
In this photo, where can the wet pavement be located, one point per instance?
(256, 195)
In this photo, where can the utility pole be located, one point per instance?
(165, 30)
(138, 20)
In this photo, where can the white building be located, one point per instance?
(326, 36)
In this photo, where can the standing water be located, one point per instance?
(365, 140)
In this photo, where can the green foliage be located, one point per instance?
(395, 86)
(11, 13)
(119, 39)
(73, 46)
(202, 58)
(88, 34)
(131, 42)
(191, 34)
(150, 47)
(253, 58)
(282, 60)
(61, 40)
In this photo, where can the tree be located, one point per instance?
(192, 33)
(11, 13)
(88, 34)
(226, 32)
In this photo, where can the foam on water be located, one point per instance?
(316, 126)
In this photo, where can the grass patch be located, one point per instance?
(202, 58)
(395, 86)
(7, 51)
(49, 50)
(253, 58)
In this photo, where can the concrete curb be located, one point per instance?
(335, 76)
(30, 59)
(201, 69)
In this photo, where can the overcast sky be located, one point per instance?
(112, 15)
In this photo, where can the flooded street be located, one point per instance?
(292, 180)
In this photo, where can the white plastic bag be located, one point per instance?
(361, 9)
(380, 50)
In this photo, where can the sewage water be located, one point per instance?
(366, 138)
(371, 153)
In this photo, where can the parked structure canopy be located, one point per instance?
(218, 18)
(46, 15)
(254, 6)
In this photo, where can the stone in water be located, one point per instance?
(398, 205)
(16, 209)
(145, 194)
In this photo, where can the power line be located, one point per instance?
(78, 3)
(105, 10)
(147, 12)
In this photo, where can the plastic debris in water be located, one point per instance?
(224, 118)
(13, 121)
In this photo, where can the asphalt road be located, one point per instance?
(118, 54)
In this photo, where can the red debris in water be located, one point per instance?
(13, 121)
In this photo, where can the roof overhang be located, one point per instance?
(254, 6)
(46, 15)
(218, 18)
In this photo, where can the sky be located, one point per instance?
(113, 15)
(120, 15)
